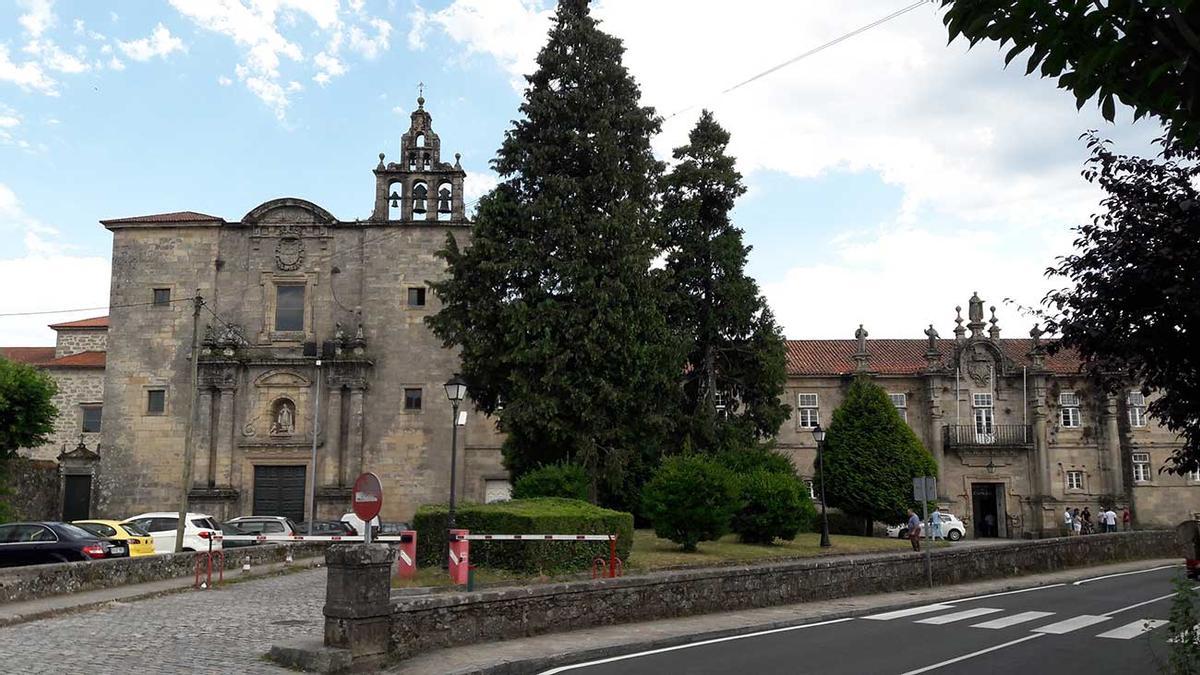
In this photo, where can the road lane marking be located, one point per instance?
(972, 655)
(1006, 621)
(996, 595)
(575, 666)
(911, 611)
(959, 616)
(1140, 604)
(1132, 630)
(1123, 574)
(1072, 624)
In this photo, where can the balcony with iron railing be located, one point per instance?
(990, 436)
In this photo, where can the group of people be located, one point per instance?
(1080, 522)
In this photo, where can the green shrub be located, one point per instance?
(774, 505)
(548, 515)
(563, 479)
(841, 523)
(690, 499)
(756, 459)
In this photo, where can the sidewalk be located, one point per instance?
(535, 654)
(31, 610)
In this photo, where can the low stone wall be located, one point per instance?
(40, 581)
(34, 485)
(423, 623)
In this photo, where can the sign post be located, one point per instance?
(367, 500)
(925, 491)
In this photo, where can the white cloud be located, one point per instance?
(477, 184)
(371, 47)
(38, 16)
(224, 81)
(54, 58)
(159, 43)
(27, 75)
(116, 64)
(416, 32)
(399, 110)
(328, 67)
(511, 31)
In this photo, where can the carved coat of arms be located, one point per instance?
(980, 372)
(289, 254)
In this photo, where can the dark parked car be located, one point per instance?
(326, 528)
(231, 529)
(391, 529)
(53, 542)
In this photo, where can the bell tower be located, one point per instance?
(420, 187)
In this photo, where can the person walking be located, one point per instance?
(1126, 518)
(914, 530)
(1088, 528)
(1068, 522)
(1110, 520)
(1076, 522)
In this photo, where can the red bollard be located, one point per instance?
(459, 556)
(406, 555)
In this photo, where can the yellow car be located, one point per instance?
(140, 542)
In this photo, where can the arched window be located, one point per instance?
(283, 417)
(419, 194)
(412, 161)
(445, 201)
(396, 201)
(419, 141)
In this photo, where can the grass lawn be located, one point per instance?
(651, 553)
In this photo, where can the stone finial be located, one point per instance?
(959, 332)
(381, 156)
(458, 160)
(994, 331)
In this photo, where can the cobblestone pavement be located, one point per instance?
(225, 630)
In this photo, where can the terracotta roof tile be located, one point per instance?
(95, 322)
(173, 217)
(79, 360)
(901, 357)
(34, 356)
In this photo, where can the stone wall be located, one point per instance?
(76, 386)
(73, 341)
(34, 484)
(41, 581)
(419, 624)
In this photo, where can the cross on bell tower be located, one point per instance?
(420, 187)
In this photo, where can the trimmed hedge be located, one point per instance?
(546, 515)
(553, 480)
(690, 499)
(774, 505)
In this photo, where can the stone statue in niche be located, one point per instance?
(283, 418)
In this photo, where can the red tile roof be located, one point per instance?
(80, 360)
(900, 357)
(34, 356)
(173, 217)
(95, 322)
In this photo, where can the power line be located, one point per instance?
(91, 309)
(814, 50)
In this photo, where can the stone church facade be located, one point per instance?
(1019, 434)
(311, 326)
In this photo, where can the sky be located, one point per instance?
(889, 176)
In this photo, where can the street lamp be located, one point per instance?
(456, 391)
(819, 436)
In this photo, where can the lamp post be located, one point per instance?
(819, 436)
(456, 391)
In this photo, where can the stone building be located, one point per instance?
(311, 335)
(76, 363)
(1019, 434)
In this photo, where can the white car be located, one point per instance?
(198, 530)
(952, 528)
(266, 525)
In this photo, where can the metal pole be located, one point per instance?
(312, 509)
(928, 535)
(188, 450)
(453, 458)
(824, 518)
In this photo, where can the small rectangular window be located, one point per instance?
(807, 400)
(1137, 409)
(901, 403)
(1141, 467)
(416, 297)
(156, 401)
(1068, 399)
(161, 297)
(289, 308)
(808, 412)
(1074, 480)
(91, 418)
(412, 399)
(981, 400)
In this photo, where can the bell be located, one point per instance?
(443, 201)
(395, 199)
(419, 193)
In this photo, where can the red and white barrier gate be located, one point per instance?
(406, 541)
(463, 538)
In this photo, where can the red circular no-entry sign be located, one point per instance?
(368, 496)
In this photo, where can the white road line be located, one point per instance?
(959, 616)
(576, 666)
(911, 611)
(964, 657)
(1006, 621)
(1123, 574)
(1072, 624)
(1132, 630)
(1140, 604)
(996, 595)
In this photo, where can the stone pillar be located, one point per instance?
(1037, 411)
(332, 471)
(202, 468)
(226, 428)
(937, 445)
(358, 599)
(354, 440)
(1112, 447)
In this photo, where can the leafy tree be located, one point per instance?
(871, 456)
(736, 362)
(1132, 306)
(553, 480)
(553, 306)
(690, 499)
(1145, 54)
(26, 416)
(774, 506)
(1183, 646)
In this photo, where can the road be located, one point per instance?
(1111, 624)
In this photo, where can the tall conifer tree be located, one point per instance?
(554, 306)
(735, 357)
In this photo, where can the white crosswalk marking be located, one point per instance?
(1072, 624)
(911, 611)
(1132, 630)
(1006, 621)
(959, 616)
